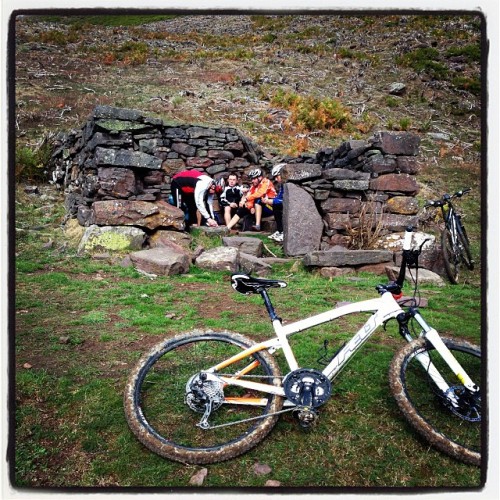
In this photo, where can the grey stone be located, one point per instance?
(219, 259)
(125, 158)
(302, 224)
(301, 171)
(342, 257)
(344, 173)
(161, 261)
(248, 245)
(424, 276)
(251, 264)
(397, 143)
(351, 185)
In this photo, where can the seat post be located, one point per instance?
(269, 305)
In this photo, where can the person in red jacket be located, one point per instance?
(251, 202)
(196, 191)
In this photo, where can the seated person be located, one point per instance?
(231, 197)
(277, 202)
(251, 203)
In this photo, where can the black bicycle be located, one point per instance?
(454, 241)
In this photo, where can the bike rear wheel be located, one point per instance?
(454, 431)
(163, 414)
(464, 247)
(451, 256)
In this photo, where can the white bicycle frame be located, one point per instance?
(384, 308)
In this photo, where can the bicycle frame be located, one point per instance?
(384, 308)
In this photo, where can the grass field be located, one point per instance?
(81, 324)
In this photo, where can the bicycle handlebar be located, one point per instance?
(446, 198)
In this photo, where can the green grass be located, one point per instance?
(71, 429)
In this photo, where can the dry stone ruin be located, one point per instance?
(116, 173)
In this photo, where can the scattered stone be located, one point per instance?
(261, 469)
(64, 340)
(272, 483)
(198, 478)
(219, 259)
(397, 88)
(424, 276)
(248, 245)
(161, 261)
(334, 272)
(251, 264)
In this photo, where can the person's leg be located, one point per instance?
(278, 217)
(227, 215)
(258, 215)
(233, 221)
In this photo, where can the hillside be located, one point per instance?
(418, 73)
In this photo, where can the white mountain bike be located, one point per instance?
(205, 396)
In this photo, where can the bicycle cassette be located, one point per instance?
(307, 387)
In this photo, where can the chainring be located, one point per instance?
(307, 387)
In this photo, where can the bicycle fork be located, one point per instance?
(425, 360)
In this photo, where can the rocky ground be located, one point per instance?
(226, 70)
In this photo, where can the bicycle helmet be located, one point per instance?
(256, 172)
(220, 184)
(277, 169)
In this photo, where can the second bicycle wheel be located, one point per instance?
(451, 256)
(164, 414)
(455, 430)
(464, 247)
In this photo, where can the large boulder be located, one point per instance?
(97, 239)
(161, 261)
(302, 223)
(150, 215)
(219, 259)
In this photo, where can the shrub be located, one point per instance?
(424, 60)
(31, 163)
(311, 113)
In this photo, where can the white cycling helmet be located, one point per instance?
(277, 169)
(256, 172)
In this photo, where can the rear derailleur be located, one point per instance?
(307, 389)
(204, 394)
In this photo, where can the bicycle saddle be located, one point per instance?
(247, 284)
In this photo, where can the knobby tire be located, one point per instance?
(155, 393)
(420, 401)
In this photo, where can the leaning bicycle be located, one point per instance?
(207, 396)
(454, 241)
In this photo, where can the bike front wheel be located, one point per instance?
(453, 429)
(451, 256)
(165, 415)
(464, 247)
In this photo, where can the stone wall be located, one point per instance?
(117, 170)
